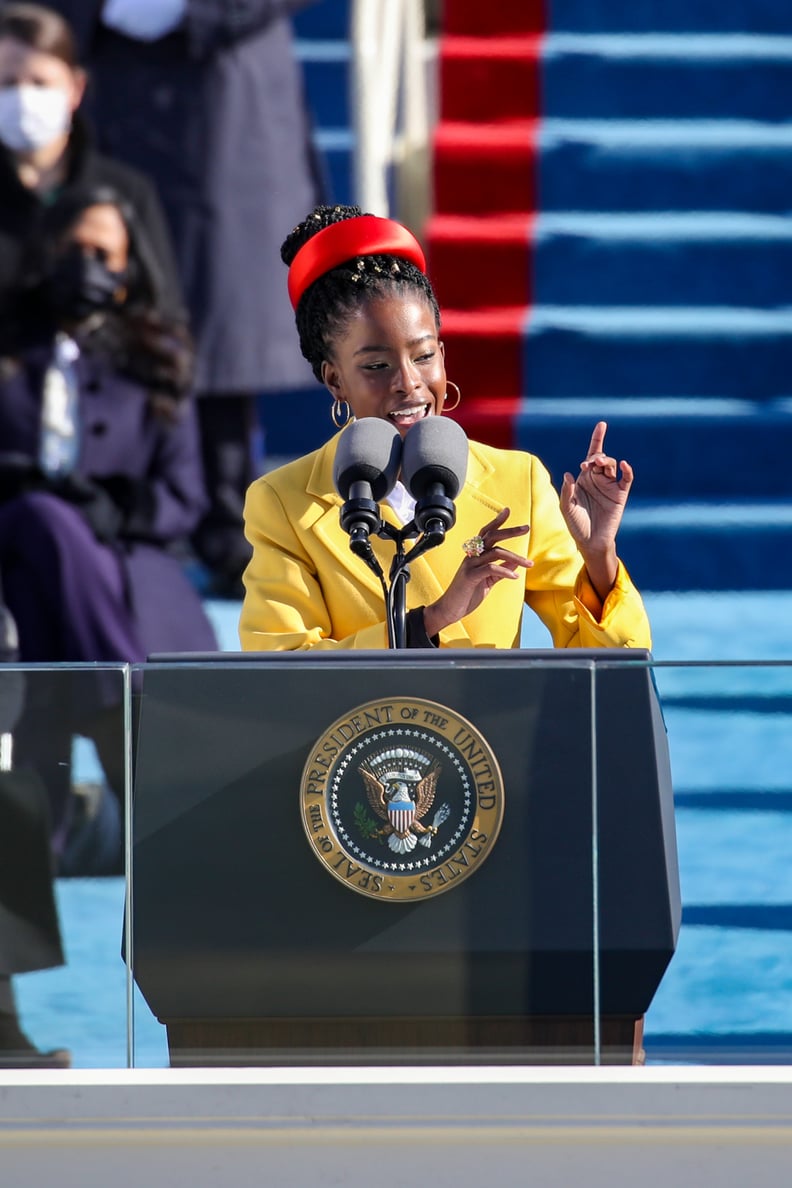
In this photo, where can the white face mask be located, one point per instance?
(32, 117)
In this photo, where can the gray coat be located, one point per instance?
(215, 114)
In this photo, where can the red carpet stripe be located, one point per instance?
(484, 350)
(480, 238)
(480, 262)
(485, 169)
(490, 80)
(502, 17)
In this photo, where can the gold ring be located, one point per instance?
(474, 547)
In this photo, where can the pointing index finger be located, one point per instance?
(597, 438)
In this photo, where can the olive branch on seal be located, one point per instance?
(366, 824)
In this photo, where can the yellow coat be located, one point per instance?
(306, 589)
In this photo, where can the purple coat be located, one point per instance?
(123, 598)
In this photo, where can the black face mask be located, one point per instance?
(79, 285)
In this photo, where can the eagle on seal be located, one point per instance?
(401, 804)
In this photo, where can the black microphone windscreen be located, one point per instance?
(435, 451)
(369, 451)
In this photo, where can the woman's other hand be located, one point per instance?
(592, 506)
(477, 574)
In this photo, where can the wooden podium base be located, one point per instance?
(540, 1040)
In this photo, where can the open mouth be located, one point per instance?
(409, 414)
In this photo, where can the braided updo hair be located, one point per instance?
(327, 305)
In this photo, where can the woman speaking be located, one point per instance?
(369, 325)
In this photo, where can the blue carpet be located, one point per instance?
(729, 986)
(601, 16)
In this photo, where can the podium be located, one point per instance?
(251, 949)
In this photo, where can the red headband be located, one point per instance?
(365, 235)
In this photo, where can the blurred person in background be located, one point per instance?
(45, 147)
(101, 482)
(207, 98)
(30, 937)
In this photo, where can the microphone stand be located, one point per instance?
(399, 576)
(360, 517)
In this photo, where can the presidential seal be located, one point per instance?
(401, 799)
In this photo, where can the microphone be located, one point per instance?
(434, 465)
(365, 471)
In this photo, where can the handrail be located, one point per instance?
(389, 102)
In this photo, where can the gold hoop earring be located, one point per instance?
(336, 410)
(451, 407)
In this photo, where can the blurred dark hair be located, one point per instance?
(144, 341)
(41, 29)
(145, 282)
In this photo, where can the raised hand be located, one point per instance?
(592, 506)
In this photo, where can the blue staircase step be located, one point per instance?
(294, 424)
(725, 983)
(321, 45)
(760, 701)
(673, 16)
(594, 258)
(718, 849)
(735, 801)
(698, 545)
(658, 165)
(679, 449)
(323, 18)
(664, 76)
(772, 917)
(653, 351)
(326, 72)
(729, 751)
(667, 259)
(723, 1048)
(336, 147)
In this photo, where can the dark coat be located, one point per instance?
(215, 114)
(19, 207)
(152, 470)
(29, 931)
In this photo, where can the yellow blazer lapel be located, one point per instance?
(475, 506)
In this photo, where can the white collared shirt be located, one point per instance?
(402, 503)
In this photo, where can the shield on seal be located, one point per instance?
(401, 812)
